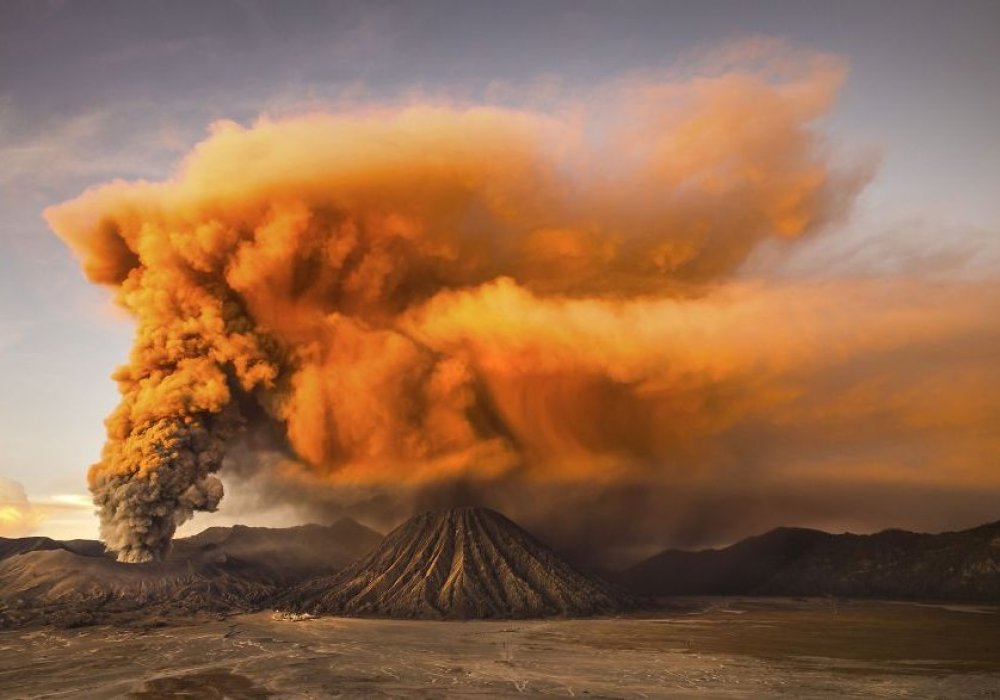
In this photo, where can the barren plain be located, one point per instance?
(708, 647)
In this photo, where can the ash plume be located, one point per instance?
(422, 295)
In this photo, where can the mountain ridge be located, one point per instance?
(475, 564)
(892, 563)
(235, 569)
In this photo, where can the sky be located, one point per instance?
(94, 92)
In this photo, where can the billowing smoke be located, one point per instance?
(433, 295)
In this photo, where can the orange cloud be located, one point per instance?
(17, 516)
(432, 293)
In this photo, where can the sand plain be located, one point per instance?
(716, 647)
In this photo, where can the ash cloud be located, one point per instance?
(381, 308)
(849, 405)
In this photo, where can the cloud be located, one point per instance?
(18, 518)
(549, 311)
(874, 248)
(60, 514)
(858, 403)
(300, 272)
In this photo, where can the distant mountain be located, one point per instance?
(293, 553)
(63, 587)
(798, 562)
(11, 546)
(457, 564)
(219, 570)
(466, 563)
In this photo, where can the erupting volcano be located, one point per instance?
(403, 298)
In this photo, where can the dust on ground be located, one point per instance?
(706, 647)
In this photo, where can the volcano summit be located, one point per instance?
(461, 563)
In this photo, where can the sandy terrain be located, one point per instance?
(708, 647)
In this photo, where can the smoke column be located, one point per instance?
(422, 294)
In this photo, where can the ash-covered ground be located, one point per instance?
(719, 647)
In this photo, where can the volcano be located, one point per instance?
(462, 563)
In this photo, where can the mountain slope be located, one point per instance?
(220, 570)
(739, 569)
(459, 564)
(293, 553)
(19, 545)
(891, 564)
(65, 588)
